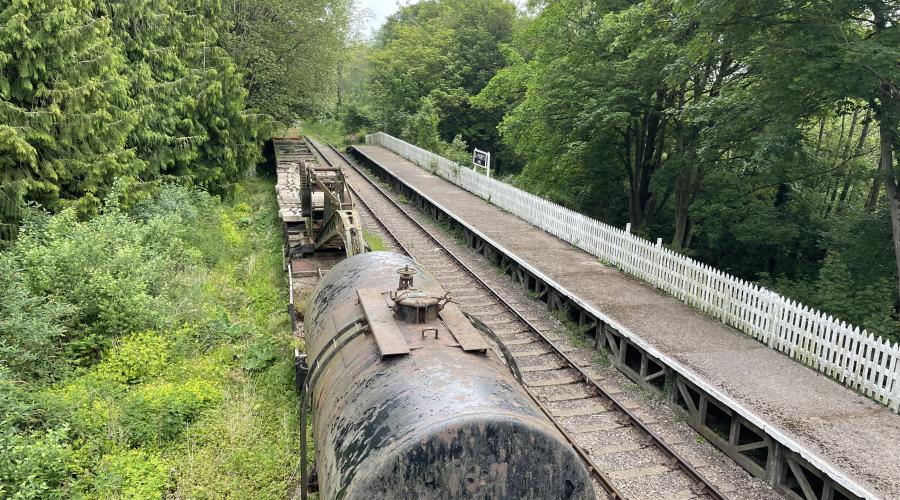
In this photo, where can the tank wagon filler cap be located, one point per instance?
(413, 305)
(406, 277)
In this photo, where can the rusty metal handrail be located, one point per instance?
(511, 362)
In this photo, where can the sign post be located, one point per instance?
(482, 159)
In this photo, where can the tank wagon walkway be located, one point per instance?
(815, 421)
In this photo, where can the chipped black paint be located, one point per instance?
(438, 423)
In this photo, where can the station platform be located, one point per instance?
(848, 437)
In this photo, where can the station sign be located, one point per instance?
(482, 159)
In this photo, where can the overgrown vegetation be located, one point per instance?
(759, 137)
(578, 334)
(146, 352)
(144, 346)
(375, 243)
(130, 93)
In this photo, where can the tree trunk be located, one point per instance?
(687, 185)
(682, 203)
(857, 151)
(647, 135)
(681, 187)
(653, 153)
(821, 136)
(632, 165)
(886, 168)
(782, 198)
(829, 202)
(888, 114)
(874, 192)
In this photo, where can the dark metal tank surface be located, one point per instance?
(438, 422)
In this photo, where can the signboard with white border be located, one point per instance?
(482, 159)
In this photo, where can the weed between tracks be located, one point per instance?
(601, 358)
(174, 375)
(376, 244)
(577, 334)
(451, 228)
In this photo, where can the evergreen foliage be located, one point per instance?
(144, 349)
(129, 93)
(65, 108)
(187, 92)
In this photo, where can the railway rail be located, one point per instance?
(557, 381)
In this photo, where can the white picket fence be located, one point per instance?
(856, 358)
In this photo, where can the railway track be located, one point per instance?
(560, 383)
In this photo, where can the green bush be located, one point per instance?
(174, 316)
(191, 215)
(89, 405)
(41, 464)
(112, 270)
(158, 412)
(136, 358)
(260, 356)
(30, 325)
(18, 411)
(131, 474)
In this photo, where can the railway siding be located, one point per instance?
(737, 393)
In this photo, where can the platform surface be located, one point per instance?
(853, 434)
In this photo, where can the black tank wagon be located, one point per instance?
(407, 401)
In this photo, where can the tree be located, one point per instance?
(97, 93)
(422, 128)
(801, 52)
(288, 53)
(746, 132)
(444, 51)
(411, 67)
(64, 108)
(637, 77)
(187, 90)
(882, 45)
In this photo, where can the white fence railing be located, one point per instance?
(856, 358)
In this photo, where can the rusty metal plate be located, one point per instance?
(388, 338)
(468, 337)
(302, 268)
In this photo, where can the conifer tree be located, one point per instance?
(187, 91)
(64, 108)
